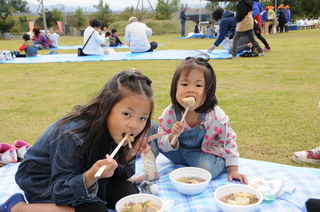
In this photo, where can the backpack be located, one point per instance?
(113, 41)
(31, 49)
(49, 40)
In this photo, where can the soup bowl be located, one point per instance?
(186, 188)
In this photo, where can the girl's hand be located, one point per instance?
(236, 175)
(177, 129)
(110, 164)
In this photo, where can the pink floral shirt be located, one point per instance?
(219, 140)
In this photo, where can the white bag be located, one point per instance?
(226, 43)
(5, 55)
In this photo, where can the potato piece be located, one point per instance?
(136, 208)
(152, 209)
(242, 200)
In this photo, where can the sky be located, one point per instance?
(115, 5)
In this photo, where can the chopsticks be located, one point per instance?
(102, 168)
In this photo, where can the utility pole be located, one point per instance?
(44, 18)
(64, 18)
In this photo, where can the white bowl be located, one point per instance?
(138, 198)
(235, 188)
(190, 189)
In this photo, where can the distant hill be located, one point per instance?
(34, 8)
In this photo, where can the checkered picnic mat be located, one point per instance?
(307, 185)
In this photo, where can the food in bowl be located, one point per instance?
(235, 189)
(191, 180)
(141, 198)
(241, 198)
(146, 206)
(190, 188)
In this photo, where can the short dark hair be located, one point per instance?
(26, 37)
(103, 25)
(107, 33)
(113, 31)
(217, 14)
(95, 23)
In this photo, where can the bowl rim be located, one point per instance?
(237, 206)
(140, 194)
(188, 167)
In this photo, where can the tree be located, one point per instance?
(104, 13)
(52, 17)
(79, 18)
(6, 22)
(19, 6)
(210, 7)
(165, 9)
(127, 13)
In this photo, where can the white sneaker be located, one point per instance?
(21, 148)
(8, 154)
(310, 156)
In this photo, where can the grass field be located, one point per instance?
(271, 100)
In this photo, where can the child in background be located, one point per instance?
(107, 40)
(116, 38)
(205, 139)
(57, 173)
(54, 38)
(28, 46)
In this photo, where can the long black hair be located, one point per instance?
(95, 132)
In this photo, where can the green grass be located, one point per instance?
(271, 100)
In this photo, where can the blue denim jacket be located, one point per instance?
(51, 174)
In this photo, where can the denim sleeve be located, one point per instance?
(68, 172)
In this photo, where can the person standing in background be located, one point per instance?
(288, 17)
(183, 18)
(258, 23)
(271, 17)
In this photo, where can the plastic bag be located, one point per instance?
(5, 55)
(269, 187)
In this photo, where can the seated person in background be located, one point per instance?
(227, 25)
(136, 34)
(104, 28)
(210, 30)
(197, 27)
(28, 46)
(54, 37)
(243, 44)
(40, 38)
(107, 39)
(93, 46)
(116, 38)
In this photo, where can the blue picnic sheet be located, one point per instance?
(155, 55)
(123, 46)
(305, 180)
(196, 36)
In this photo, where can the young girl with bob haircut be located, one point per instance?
(57, 173)
(205, 139)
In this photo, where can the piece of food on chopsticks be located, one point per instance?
(129, 138)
